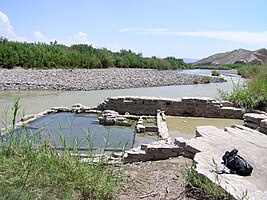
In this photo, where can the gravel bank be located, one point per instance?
(90, 79)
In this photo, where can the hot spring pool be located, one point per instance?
(80, 130)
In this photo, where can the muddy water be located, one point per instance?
(37, 101)
(186, 126)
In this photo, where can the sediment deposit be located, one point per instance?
(92, 79)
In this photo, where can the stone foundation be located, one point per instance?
(257, 121)
(193, 107)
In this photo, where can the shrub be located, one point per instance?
(215, 73)
(206, 79)
(196, 80)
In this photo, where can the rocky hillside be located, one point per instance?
(239, 56)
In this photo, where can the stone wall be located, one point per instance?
(188, 106)
(256, 121)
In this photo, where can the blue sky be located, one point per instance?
(180, 28)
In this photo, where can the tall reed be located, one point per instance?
(30, 169)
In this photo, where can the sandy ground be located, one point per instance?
(164, 179)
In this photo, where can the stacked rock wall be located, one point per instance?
(193, 107)
(256, 121)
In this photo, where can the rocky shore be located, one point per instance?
(91, 79)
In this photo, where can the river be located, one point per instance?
(37, 101)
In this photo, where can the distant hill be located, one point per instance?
(239, 56)
(190, 60)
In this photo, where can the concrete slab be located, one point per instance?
(251, 145)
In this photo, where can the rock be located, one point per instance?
(140, 128)
(90, 79)
(180, 141)
(263, 126)
(251, 144)
(240, 62)
(253, 120)
(27, 117)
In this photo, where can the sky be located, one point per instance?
(161, 28)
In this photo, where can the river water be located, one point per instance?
(38, 101)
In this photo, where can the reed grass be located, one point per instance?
(33, 170)
(254, 94)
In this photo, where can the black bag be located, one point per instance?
(236, 163)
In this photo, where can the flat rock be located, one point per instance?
(252, 145)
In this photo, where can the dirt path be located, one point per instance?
(164, 179)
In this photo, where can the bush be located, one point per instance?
(196, 80)
(206, 79)
(215, 73)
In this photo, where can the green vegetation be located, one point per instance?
(251, 71)
(254, 94)
(215, 73)
(32, 170)
(54, 55)
(206, 79)
(196, 80)
(202, 188)
(220, 67)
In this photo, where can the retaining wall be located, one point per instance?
(188, 106)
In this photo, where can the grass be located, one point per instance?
(32, 170)
(201, 187)
(254, 95)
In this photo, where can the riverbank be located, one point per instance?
(93, 79)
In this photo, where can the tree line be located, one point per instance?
(54, 55)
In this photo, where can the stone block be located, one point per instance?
(161, 156)
(188, 154)
(263, 126)
(251, 124)
(140, 128)
(146, 157)
(254, 117)
(180, 141)
(227, 104)
(176, 151)
(166, 150)
(175, 154)
(27, 117)
(191, 149)
(144, 147)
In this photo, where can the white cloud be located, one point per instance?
(40, 37)
(79, 38)
(6, 29)
(254, 38)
